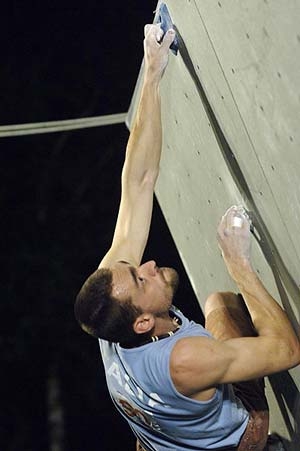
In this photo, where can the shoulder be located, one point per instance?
(188, 361)
(187, 349)
(198, 364)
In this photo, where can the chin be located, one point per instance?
(171, 277)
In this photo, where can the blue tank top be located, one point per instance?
(163, 419)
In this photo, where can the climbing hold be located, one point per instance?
(163, 17)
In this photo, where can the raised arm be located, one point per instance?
(201, 363)
(143, 152)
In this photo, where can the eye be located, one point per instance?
(141, 279)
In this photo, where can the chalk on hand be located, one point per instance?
(237, 221)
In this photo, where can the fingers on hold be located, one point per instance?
(169, 37)
(237, 221)
(226, 216)
(152, 30)
(236, 216)
(159, 35)
(235, 210)
(232, 210)
(171, 34)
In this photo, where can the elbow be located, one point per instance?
(149, 177)
(293, 352)
(297, 354)
(146, 178)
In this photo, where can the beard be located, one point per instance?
(171, 278)
(168, 290)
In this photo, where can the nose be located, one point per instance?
(149, 267)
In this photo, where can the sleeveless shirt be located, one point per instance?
(163, 419)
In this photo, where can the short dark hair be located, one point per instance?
(102, 315)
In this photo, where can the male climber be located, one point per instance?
(181, 387)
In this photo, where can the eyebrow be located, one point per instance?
(132, 271)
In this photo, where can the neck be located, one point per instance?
(164, 328)
(163, 325)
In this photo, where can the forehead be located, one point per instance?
(123, 279)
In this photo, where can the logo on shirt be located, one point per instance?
(125, 398)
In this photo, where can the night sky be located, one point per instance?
(59, 200)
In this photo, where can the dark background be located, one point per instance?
(59, 199)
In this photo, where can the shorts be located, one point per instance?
(232, 322)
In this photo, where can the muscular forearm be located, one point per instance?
(267, 315)
(143, 152)
(145, 141)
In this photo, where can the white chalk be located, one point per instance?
(237, 221)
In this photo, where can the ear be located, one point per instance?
(144, 323)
